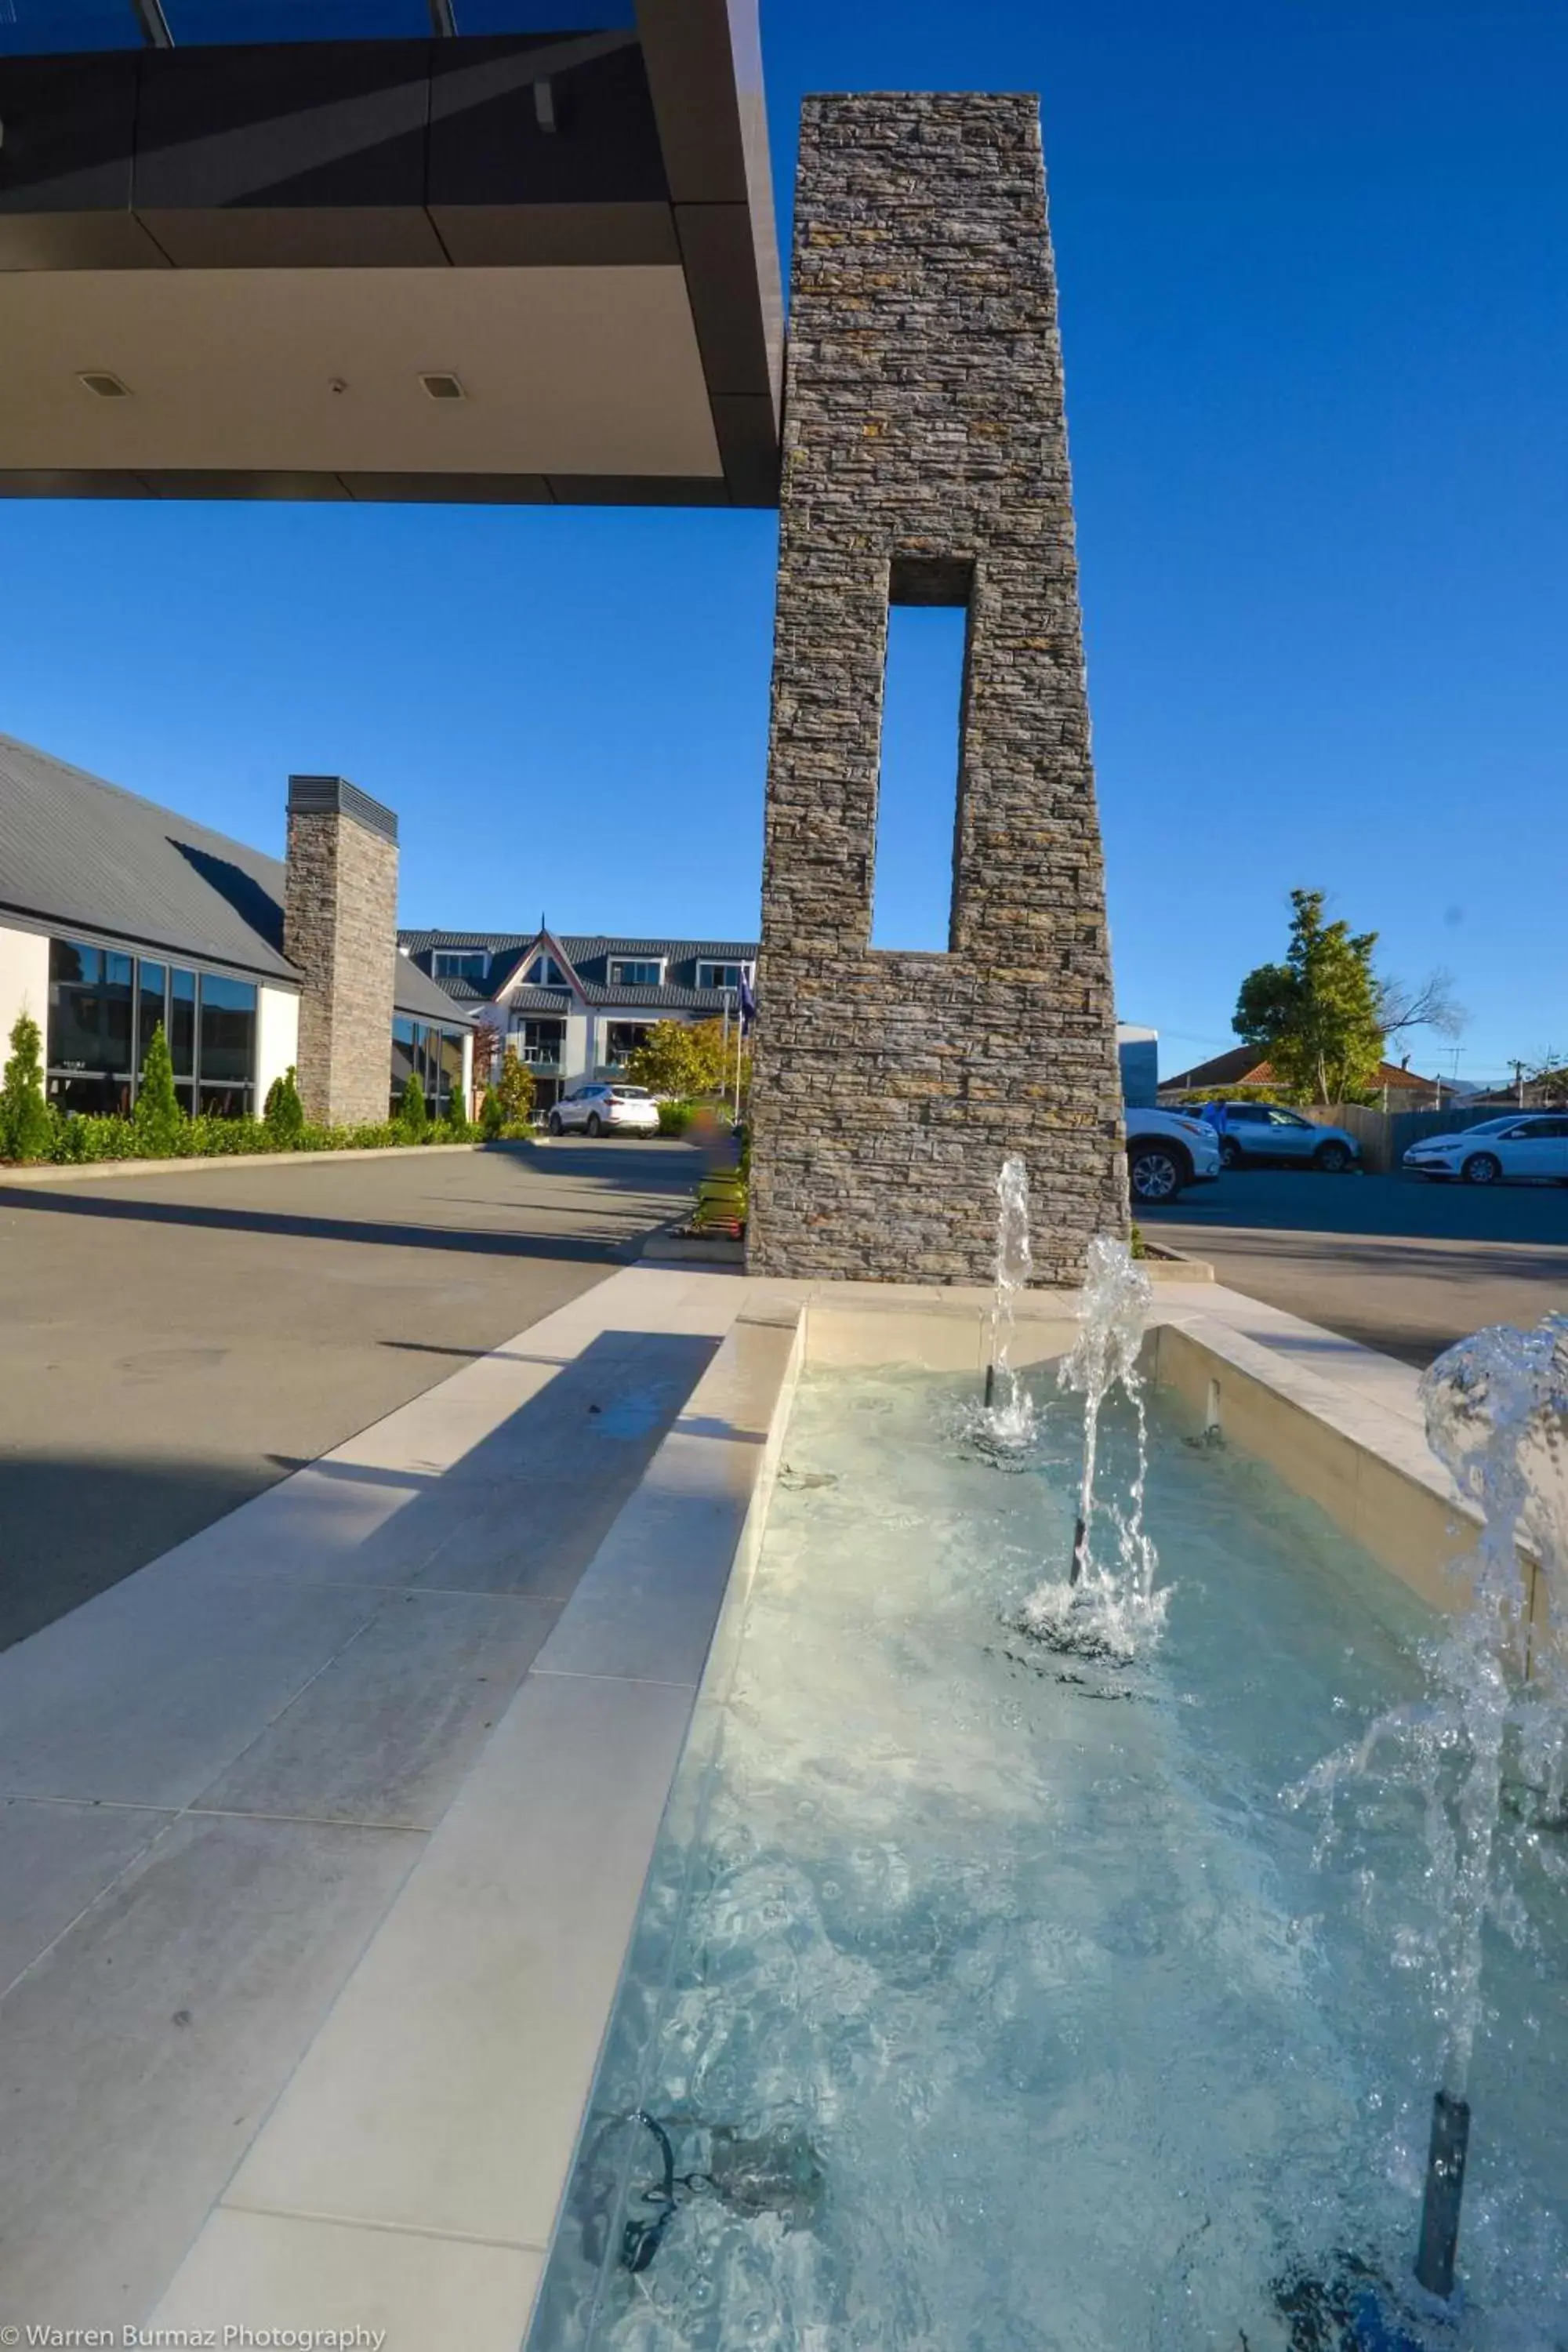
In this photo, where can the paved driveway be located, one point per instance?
(172, 1344)
(1404, 1267)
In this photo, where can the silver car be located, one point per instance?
(1252, 1134)
(604, 1109)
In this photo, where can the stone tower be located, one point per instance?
(340, 927)
(925, 462)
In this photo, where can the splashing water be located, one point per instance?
(1486, 1754)
(1006, 1422)
(1108, 1607)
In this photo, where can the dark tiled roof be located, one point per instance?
(415, 993)
(669, 999)
(79, 853)
(589, 954)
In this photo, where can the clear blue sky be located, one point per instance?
(1313, 290)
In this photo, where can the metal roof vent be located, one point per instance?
(105, 386)
(443, 387)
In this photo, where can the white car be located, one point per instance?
(1165, 1150)
(1523, 1146)
(604, 1109)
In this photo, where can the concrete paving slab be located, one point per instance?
(141, 2050)
(54, 1861)
(429, 2294)
(145, 1696)
(387, 1732)
(443, 2092)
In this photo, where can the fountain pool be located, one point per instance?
(987, 1997)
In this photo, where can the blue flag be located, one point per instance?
(748, 1004)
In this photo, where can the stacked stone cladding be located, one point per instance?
(340, 930)
(925, 459)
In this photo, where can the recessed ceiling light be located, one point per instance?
(107, 386)
(443, 387)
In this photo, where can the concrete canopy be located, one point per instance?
(423, 262)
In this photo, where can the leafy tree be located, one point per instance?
(685, 1058)
(158, 1117)
(26, 1128)
(413, 1114)
(515, 1089)
(283, 1115)
(1316, 1015)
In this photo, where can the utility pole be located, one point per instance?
(1519, 1069)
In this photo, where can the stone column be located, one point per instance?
(340, 930)
(925, 461)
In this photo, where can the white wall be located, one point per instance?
(23, 983)
(277, 1037)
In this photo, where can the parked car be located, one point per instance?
(1526, 1145)
(1253, 1134)
(600, 1109)
(1165, 1150)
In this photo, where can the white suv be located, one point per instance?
(601, 1110)
(1165, 1150)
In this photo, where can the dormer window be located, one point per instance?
(460, 964)
(721, 975)
(545, 972)
(636, 972)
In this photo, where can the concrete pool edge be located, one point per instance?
(441, 2103)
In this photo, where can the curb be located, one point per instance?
(47, 1173)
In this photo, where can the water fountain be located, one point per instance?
(1495, 1723)
(1109, 1605)
(1006, 1427)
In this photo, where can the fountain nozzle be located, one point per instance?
(989, 1385)
(1443, 2192)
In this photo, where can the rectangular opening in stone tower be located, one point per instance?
(917, 786)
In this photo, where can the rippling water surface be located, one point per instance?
(990, 2001)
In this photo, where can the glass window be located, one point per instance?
(151, 990)
(89, 1008)
(227, 1035)
(406, 1043)
(628, 973)
(450, 1052)
(460, 964)
(540, 1044)
(545, 972)
(720, 975)
(622, 1039)
(182, 1024)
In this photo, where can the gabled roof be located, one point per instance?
(588, 955)
(1245, 1067)
(79, 854)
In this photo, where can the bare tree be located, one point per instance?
(1429, 1003)
(488, 1043)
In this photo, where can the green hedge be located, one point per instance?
(79, 1140)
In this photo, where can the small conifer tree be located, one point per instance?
(515, 1088)
(27, 1128)
(284, 1114)
(413, 1115)
(158, 1117)
(492, 1119)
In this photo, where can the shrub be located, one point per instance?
(284, 1114)
(457, 1127)
(492, 1119)
(27, 1122)
(413, 1117)
(157, 1118)
(515, 1088)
